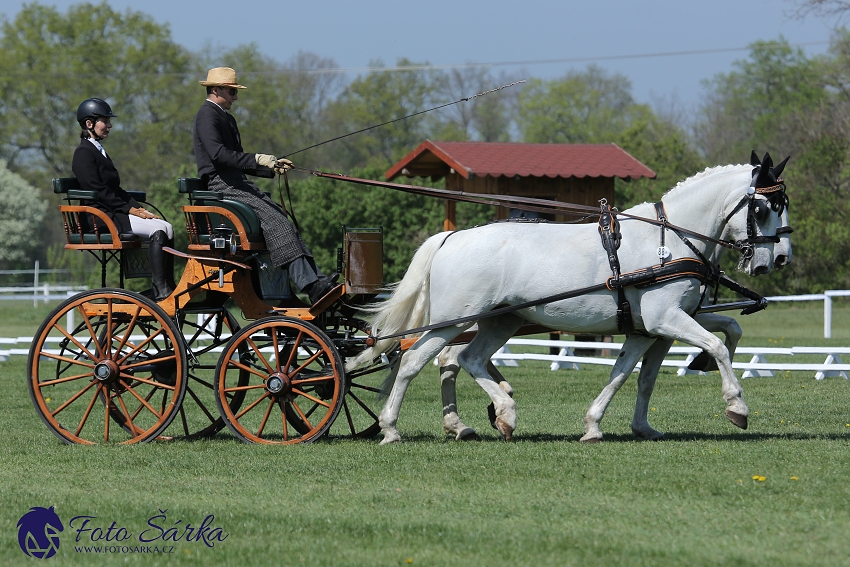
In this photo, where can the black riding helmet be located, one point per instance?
(93, 108)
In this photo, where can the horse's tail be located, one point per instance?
(409, 305)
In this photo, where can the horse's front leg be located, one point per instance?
(449, 369)
(677, 324)
(646, 384)
(630, 354)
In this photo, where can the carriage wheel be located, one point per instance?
(205, 335)
(121, 360)
(295, 386)
(361, 405)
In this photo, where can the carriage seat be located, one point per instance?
(209, 209)
(98, 231)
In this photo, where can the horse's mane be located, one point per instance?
(709, 171)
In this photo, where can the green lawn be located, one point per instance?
(543, 499)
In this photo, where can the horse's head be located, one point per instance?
(756, 217)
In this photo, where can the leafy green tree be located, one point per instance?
(322, 206)
(374, 98)
(780, 101)
(581, 108)
(23, 213)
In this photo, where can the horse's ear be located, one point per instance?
(777, 171)
(766, 163)
(754, 159)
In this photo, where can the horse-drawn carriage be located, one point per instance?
(130, 367)
(112, 365)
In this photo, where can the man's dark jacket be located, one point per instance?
(218, 146)
(95, 172)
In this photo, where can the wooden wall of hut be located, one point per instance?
(580, 191)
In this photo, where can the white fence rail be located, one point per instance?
(757, 366)
(566, 359)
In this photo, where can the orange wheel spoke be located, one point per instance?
(109, 327)
(311, 398)
(138, 347)
(130, 327)
(141, 399)
(74, 340)
(65, 379)
(265, 418)
(149, 361)
(97, 344)
(46, 354)
(106, 424)
(301, 413)
(148, 381)
(135, 430)
(87, 412)
(256, 349)
(232, 362)
(243, 388)
(72, 399)
(315, 379)
(276, 349)
(294, 351)
(306, 363)
(253, 405)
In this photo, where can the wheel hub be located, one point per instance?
(279, 383)
(106, 371)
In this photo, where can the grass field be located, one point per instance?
(543, 499)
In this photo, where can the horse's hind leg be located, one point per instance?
(646, 384)
(630, 354)
(492, 334)
(449, 369)
(412, 362)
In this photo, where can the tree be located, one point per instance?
(23, 212)
(581, 108)
(780, 101)
(322, 206)
(375, 98)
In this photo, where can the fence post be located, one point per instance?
(827, 316)
(70, 316)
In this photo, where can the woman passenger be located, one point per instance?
(95, 171)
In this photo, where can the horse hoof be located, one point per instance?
(505, 429)
(651, 436)
(590, 439)
(466, 434)
(737, 419)
(391, 437)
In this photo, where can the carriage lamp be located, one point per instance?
(221, 236)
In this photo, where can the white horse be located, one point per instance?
(449, 366)
(479, 270)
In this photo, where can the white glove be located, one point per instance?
(282, 166)
(266, 160)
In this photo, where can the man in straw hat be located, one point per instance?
(223, 165)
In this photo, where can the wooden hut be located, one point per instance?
(573, 173)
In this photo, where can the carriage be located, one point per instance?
(232, 345)
(133, 370)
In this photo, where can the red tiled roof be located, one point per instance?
(525, 160)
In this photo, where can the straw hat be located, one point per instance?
(222, 77)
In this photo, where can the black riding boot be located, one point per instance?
(169, 265)
(159, 280)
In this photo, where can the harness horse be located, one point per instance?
(496, 275)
